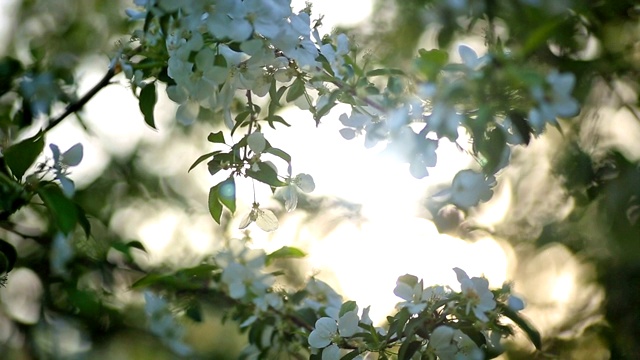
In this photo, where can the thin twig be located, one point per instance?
(76, 106)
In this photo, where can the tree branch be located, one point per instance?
(76, 106)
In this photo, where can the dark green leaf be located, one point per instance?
(148, 280)
(10, 256)
(136, 244)
(194, 312)
(203, 158)
(351, 355)
(266, 174)
(63, 210)
(83, 220)
(19, 157)
(215, 207)
(285, 252)
(295, 90)
(402, 317)
(217, 138)
(148, 102)
(10, 68)
(408, 348)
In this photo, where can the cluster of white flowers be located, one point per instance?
(330, 331)
(479, 298)
(243, 270)
(553, 100)
(452, 344)
(417, 297)
(271, 40)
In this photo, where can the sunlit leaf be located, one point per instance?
(215, 207)
(266, 174)
(285, 252)
(227, 193)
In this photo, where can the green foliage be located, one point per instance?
(148, 100)
(19, 157)
(503, 97)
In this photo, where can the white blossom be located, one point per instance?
(476, 291)
(556, 103)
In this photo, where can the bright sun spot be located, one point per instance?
(365, 259)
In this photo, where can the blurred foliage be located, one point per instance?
(598, 41)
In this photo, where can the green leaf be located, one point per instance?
(276, 118)
(215, 207)
(279, 153)
(408, 349)
(203, 158)
(531, 332)
(10, 256)
(194, 312)
(200, 271)
(266, 174)
(540, 35)
(285, 252)
(83, 220)
(63, 210)
(137, 245)
(347, 306)
(148, 100)
(10, 68)
(227, 193)
(19, 157)
(295, 90)
(430, 62)
(217, 138)
(147, 280)
(351, 355)
(379, 72)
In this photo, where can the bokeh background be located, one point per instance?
(563, 225)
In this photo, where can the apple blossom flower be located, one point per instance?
(264, 218)
(477, 294)
(303, 182)
(557, 102)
